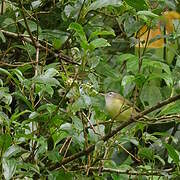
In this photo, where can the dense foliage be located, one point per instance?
(57, 57)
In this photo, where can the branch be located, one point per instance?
(128, 172)
(115, 131)
(27, 39)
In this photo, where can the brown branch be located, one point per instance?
(15, 65)
(26, 23)
(115, 131)
(28, 39)
(128, 172)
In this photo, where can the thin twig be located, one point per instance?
(121, 126)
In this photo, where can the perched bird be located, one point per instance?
(118, 107)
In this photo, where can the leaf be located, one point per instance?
(19, 74)
(46, 80)
(167, 77)
(24, 99)
(31, 24)
(171, 109)
(5, 141)
(9, 168)
(150, 95)
(147, 13)
(51, 72)
(5, 96)
(54, 156)
(99, 42)
(17, 115)
(3, 118)
(2, 37)
(137, 4)
(157, 65)
(172, 153)
(128, 84)
(104, 3)
(4, 71)
(146, 153)
(12, 151)
(79, 30)
(101, 33)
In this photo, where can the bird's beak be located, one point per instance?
(102, 94)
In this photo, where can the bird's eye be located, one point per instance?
(110, 93)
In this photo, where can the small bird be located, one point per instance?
(118, 107)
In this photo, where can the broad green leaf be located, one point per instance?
(150, 95)
(4, 71)
(171, 109)
(128, 84)
(17, 115)
(4, 119)
(47, 107)
(12, 151)
(137, 4)
(172, 153)
(167, 77)
(19, 74)
(101, 33)
(99, 42)
(127, 79)
(18, 95)
(2, 37)
(156, 64)
(9, 168)
(147, 13)
(8, 21)
(34, 115)
(5, 96)
(79, 30)
(51, 72)
(146, 153)
(104, 3)
(32, 25)
(5, 141)
(46, 80)
(54, 156)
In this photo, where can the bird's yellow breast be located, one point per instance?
(117, 109)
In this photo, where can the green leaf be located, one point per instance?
(104, 3)
(9, 168)
(12, 151)
(147, 13)
(31, 24)
(146, 153)
(46, 80)
(156, 64)
(5, 141)
(167, 77)
(24, 99)
(5, 96)
(137, 4)
(101, 33)
(79, 30)
(128, 84)
(4, 71)
(17, 115)
(99, 42)
(51, 72)
(54, 156)
(2, 37)
(150, 95)
(172, 153)
(171, 109)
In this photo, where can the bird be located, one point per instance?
(118, 107)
